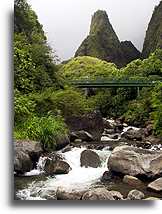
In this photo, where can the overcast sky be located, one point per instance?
(67, 22)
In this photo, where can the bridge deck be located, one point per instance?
(109, 84)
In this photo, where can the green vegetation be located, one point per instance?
(43, 97)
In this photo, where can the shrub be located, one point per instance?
(43, 129)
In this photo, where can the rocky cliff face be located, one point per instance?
(103, 43)
(153, 39)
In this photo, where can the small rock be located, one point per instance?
(78, 141)
(97, 194)
(151, 198)
(132, 181)
(135, 195)
(107, 176)
(89, 158)
(65, 194)
(156, 185)
(116, 195)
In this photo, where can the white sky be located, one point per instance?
(67, 22)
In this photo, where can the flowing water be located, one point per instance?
(79, 178)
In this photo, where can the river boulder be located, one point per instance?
(54, 167)
(133, 161)
(26, 155)
(135, 195)
(89, 158)
(91, 123)
(133, 134)
(81, 135)
(69, 194)
(156, 185)
(62, 142)
(97, 194)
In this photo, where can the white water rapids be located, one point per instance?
(79, 178)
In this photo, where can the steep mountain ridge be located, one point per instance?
(103, 43)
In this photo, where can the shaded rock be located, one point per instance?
(109, 131)
(32, 148)
(135, 195)
(97, 194)
(132, 134)
(156, 185)
(83, 135)
(107, 176)
(56, 167)
(116, 195)
(63, 194)
(133, 161)
(26, 155)
(22, 162)
(153, 140)
(91, 123)
(132, 181)
(62, 141)
(90, 158)
(78, 141)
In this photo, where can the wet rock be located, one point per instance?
(90, 158)
(132, 134)
(65, 194)
(135, 195)
(156, 185)
(132, 181)
(78, 141)
(26, 155)
(91, 123)
(82, 135)
(22, 162)
(107, 176)
(116, 195)
(153, 140)
(133, 161)
(62, 141)
(97, 194)
(48, 194)
(53, 167)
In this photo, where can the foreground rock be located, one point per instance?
(116, 195)
(63, 194)
(91, 123)
(133, 161)
(89, 158)
(135, 195)
(132, 181)
(53, 167)
(156, 185)
(97, 194)
(26, 155)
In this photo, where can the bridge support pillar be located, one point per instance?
(138, 91)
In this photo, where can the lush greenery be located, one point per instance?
(44, 97)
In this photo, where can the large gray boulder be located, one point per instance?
(26, 155)
(89, 158)
(133, 161)
(53, 167)
(156, 185)
(97, 194)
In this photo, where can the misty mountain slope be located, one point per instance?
(153, 39)
(103, 43)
